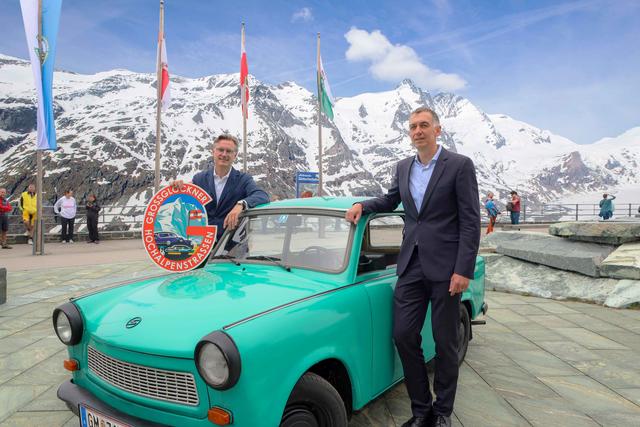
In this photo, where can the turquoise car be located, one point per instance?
(289, 323)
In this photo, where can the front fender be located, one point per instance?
(278, 348)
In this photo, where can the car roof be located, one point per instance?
(329, 202)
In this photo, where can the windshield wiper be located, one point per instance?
(227, 256)
(275, 260)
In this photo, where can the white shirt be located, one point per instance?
(219, 183)
(66, 207)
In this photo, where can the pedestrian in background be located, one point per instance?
(29, 207)
(492, 211)
(93, 208)
(515, 208)
(66, 207)
(606, 206)
(5, 210)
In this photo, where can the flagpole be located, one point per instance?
(245, 108)
(320, 189)
(159, 101)
(38, 248)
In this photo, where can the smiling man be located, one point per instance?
(232, 191)
(441, 236)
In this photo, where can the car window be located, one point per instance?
(386, 231)
(310, 241)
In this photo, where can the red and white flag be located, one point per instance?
(165, 93)
(244, 79)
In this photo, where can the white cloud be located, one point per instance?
(303, 15)
(393, 63)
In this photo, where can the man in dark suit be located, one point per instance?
(439, 193)
(232, 191)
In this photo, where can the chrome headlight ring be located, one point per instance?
(218, 360)
(67, 323)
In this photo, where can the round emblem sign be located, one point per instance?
(175, 231)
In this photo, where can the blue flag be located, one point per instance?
(42, 53)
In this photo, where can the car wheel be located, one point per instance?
(464, 332)
(314, 403)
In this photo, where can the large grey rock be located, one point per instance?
(497, 237)
(623, 263)
(625, 294)
(556, 252)
(511, 275)
(611, 233)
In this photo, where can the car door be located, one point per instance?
(383, 236)
(377, 272)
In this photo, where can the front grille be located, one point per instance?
(170, 386)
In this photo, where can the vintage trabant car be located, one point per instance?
(289, 323)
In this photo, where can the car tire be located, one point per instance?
(464, 333)
(314, 402)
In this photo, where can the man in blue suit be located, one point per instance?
(439, 192)
(232, 191)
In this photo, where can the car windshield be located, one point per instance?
(317, 242)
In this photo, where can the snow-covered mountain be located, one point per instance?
(106, 137)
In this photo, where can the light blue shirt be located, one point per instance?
(420, 176)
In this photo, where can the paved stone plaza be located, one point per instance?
(536, 362)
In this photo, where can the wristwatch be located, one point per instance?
(242, 203)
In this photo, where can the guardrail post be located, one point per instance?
(629, 210)
(576, 211)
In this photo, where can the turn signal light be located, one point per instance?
(219, 416)
(71, 365)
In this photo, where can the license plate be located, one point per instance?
(89, 417)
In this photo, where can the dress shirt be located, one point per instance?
(420, 176)
(220, 182)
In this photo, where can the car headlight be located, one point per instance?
(218, 360)
(67, 322)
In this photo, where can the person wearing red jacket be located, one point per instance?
(5, 209)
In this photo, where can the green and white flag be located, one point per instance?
(324, 91)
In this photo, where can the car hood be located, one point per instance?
(177, 311)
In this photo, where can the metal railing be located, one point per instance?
(110, 218)
(130, 217)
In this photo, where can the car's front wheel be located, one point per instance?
(464, 333)
(314, 402)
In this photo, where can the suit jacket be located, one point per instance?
(446, 228)
(239, 186)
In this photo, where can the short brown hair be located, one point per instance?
(419, 110)
(227, 137)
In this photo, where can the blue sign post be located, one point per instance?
(307, 184)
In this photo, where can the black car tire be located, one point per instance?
(314, 403)
(464, 333)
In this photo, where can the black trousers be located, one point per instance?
(67, 228)
(92, 227)
(412, 296)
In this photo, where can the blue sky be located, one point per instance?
(571, 67)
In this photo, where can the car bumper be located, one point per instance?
(74, 395)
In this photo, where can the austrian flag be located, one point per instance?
(244, 80)
(165, 93)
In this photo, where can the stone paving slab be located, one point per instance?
(536, 361)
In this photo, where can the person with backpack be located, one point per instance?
(492, 211)
(606, 206)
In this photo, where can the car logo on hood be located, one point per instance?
(134, 322)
